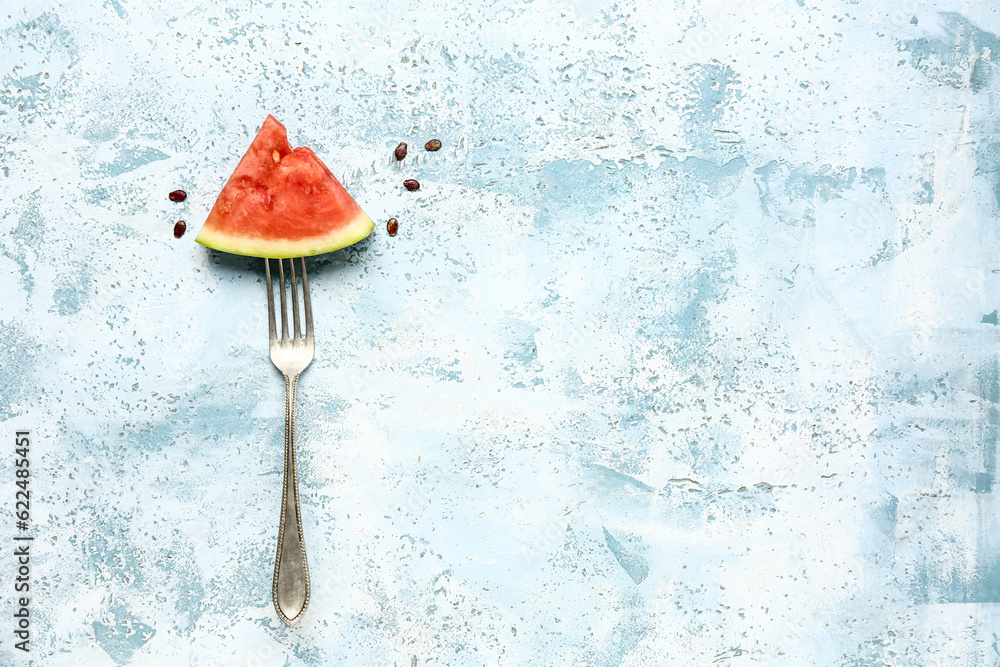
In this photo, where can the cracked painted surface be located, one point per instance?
(685, 352)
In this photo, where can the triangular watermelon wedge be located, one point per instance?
(282, 202)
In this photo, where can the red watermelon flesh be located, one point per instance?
(282, 202)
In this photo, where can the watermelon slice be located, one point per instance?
(282, 202)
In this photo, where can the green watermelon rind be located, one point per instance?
(349, 234)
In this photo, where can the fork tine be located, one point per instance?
(284, 307)
(306, 303)
(270, 298)
(295, 300)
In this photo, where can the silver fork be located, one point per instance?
(291, 356)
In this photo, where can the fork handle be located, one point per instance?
(290, 590)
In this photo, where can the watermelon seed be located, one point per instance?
(411, 184)
(392, 226)
(433, 145)
(276, 156)
(178, 195)
(179, 229)
(400, 151)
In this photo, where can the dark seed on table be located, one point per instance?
(178, 195)
(411, 184)
(433, 145)
(392, 226)
(179, 229)
(400, 150)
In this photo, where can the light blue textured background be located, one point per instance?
(686, 352)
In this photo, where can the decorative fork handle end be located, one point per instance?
(290, 590)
